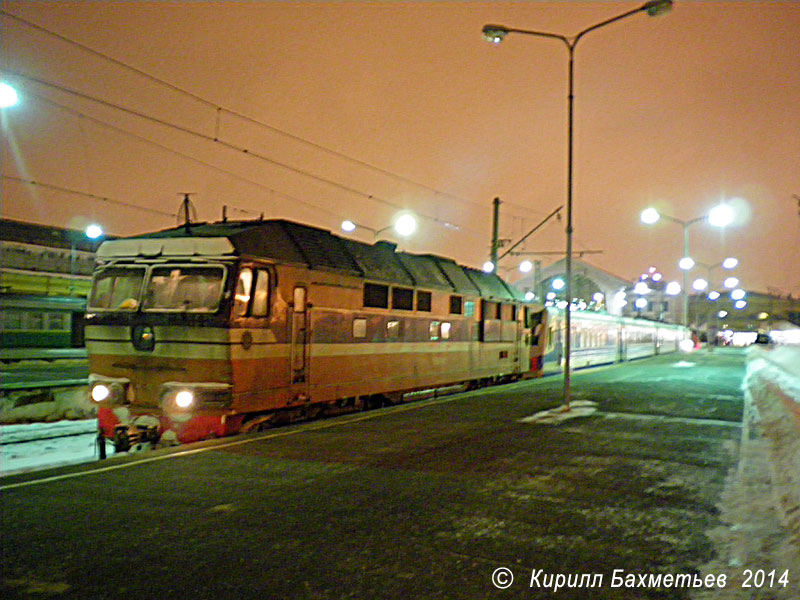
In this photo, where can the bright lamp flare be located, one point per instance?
(405, 225)
(100, 392)
(640, 303)
(348, 225)
(737, 294)
(8, 96)
(184, 399)
(94, 231)
(713, 295)
(673, 288)
(488, 266)
(721, 215)
(699, 284)
(687, 345)
(730, 263)
(641, 288)
(525, 266)
(730, 282)
(650, 216)
(686, 263)
(558, 284)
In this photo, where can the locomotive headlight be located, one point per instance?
(184, 399)
(100, 392)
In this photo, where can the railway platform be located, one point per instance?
(457, 497)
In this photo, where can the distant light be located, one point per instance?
(651, 270)
(641, 288)
(525, 266)
(562, 304)
(713, 295)
(657, 277)
(730, 282)
(740, 304)
(730, 263)
(488, 266)
(737, 294)
(558, 283)
(550, 296)
(650, 216)
(762, 316)
(686, 263)
(529, 296)
(8, 96)
(640, 303)
(405, 225)
(348, 226)
(686, 345)
(721, 215)
(722, 314)
(598, 297)
(699, 284)
(100, 392)
(94, 231)
(673, 288)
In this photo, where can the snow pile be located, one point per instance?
(47, 405)
(772, 391)
(554, 416)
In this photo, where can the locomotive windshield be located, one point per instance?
(117, 288)
(184, 288)
(192, 288)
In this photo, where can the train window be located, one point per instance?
(402, 298)
(469, 308)
(241, 297)
(56, 321)
(187, 288)
(433, 330)
(393, 330)
(376, 296)
(35, 320)
(456, 305)
(117, 288)
(12, 319)
(499, 314)
(359, 328)
(299, 299)
(424, 301)
(445, 329)
(261, 294)
(489, 310)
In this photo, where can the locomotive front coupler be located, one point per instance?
(129, 436)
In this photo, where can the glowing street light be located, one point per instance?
(673, 288)
(738, 294)
(404, 225)
(488, 266)
(721, 215)
(558, 283)
(699, 284)
(686, 263)
(496, 34)
(94, 231)
(713, 295)
(525, 266)
(730, 263)
(8, 96)
(731, 282)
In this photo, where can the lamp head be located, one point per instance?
(650, 216)
(655, 8)
(494, 33)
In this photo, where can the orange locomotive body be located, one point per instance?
(210, 329)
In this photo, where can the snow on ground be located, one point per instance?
(760, 505)
(42, 445)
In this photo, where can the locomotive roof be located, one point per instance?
(295, 243)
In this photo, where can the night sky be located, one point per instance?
(322, 111)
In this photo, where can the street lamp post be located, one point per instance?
(719, 216)
(404, 225)
(496, 34)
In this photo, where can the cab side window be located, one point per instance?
(252, 293)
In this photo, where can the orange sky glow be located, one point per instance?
(322, 111)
